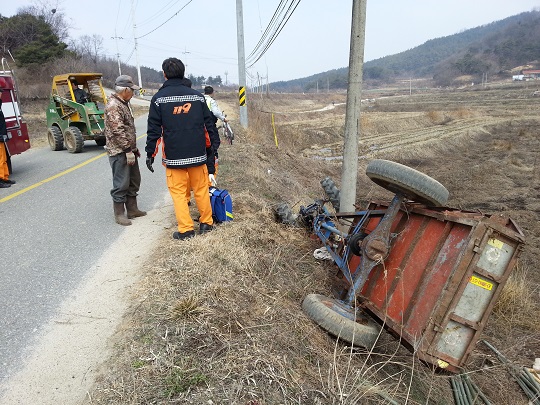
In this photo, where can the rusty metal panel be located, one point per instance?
(438, 285)
(450, 250)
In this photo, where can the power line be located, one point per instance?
(253, 58)
(165, 9)
(267, 30)
(166, 21)
(278, 30)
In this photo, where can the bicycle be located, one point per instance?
(227, 132)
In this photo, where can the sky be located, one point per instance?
(316, 37)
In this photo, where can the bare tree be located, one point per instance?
(52, 14)
(88, 47)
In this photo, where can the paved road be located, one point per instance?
(52, 233)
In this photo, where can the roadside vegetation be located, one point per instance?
(218, 319)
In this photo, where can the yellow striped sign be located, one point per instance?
(242, 96)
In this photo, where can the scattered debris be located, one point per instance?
(466, 392)
(527, 380)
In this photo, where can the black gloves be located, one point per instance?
(149, 163)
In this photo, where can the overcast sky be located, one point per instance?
(315, 39)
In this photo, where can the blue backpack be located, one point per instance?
(221, 203)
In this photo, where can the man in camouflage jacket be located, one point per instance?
(123, 152)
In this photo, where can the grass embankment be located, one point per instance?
(218, 320)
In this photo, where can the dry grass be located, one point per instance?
(218, 319)
(518, 301)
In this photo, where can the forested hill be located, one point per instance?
(494, 49)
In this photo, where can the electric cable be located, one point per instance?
(254, 58)
(166, 21)
(163, 10)
(268, 27)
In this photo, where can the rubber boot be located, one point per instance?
(132, 210)
(119, 215)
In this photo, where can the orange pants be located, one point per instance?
(4, 170)
(178, 182)
(188, 193)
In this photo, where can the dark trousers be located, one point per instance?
(126, 179)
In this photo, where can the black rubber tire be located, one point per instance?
(284, 214)
(332, 192)
(100, 141)
(354, 242)
(413, 184)
(55, 138)
(316, 306)
(74, 140)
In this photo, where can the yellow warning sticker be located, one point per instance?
(495, 243)
(481, 283)
(442, 363)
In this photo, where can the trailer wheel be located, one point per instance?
(332, 192)
(100, 141)
(320, 309)
(74, 140)
(55, 138)
(402, 179)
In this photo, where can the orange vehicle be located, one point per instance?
(17, 131)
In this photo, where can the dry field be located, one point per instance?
(217, 319)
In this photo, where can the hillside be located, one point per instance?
(493, 49)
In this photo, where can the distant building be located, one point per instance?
(530, 74)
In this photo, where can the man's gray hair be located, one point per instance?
(120, 89)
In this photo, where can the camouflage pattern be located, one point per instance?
(119, 127)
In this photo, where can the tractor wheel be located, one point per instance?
(331, 191)
(320, 309)
(411, 183)
(284, 214)
(100, 141)
(74, 140)
(55, 138)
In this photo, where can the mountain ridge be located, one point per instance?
(492, 49)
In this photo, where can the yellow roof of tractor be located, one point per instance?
(90, 81)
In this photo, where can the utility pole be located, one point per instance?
(135, 39)
(116, 38)
(241, 64)
(349, 172)
(226, 73)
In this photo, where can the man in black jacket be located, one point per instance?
(177, 118)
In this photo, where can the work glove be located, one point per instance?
(212, 179)
(149, 163)
(130, 156)
(137, 152)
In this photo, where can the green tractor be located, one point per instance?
(76, 111)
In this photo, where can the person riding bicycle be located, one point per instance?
(216, 113)
(213, 105)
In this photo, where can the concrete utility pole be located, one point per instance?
(241, 64)
(135, 39)
(349, 171)
(116, 38)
